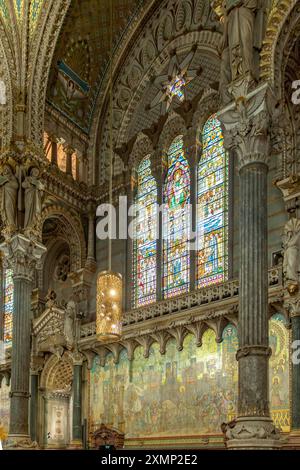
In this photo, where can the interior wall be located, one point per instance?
(183, 393)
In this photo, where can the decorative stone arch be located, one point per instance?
(142, 147)
(207, 106)
(174, 126)
(43, 45)
(280, 35)
(57, 373)
(74, 231)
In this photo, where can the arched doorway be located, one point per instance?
(56, 403)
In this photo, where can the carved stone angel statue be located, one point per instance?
(69, 326)
(33, 197)
(291, 246)
(10, 185)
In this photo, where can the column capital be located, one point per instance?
(69, 150)
(77, 358)
(22, 255)
(247, 126)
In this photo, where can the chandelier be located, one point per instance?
(109, 306)
(109, 284)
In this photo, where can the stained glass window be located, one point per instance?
(212, 217)
(8, 304)
(176, 222)
(144, 265)
(176, 87)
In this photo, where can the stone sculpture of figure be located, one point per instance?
(69, 326)
(10, 186)
(33, 197)
(51, 298)
(291, 245)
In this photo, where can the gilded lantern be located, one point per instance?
(109, 307)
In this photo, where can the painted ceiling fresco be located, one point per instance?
(82, 55)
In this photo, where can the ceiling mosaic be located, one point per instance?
(16, 15)
(82, 55)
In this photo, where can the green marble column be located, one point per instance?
(34, 382)
(77, 406)
(247, 136)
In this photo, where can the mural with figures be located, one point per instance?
(279, 372)
(182, 393)
(4, 405)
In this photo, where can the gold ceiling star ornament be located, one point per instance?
(173, 85)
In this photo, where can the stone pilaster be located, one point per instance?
(91, 258)
(128, 284)
(69, 151)
(21, 255)
(53, 141)
(191, 155)
(246, 131)
(158, 173)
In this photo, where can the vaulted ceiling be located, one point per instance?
(82, 54)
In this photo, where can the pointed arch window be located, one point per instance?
(176, 222)
(212, 209)
(144, 262)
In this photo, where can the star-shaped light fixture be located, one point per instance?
(172, 86)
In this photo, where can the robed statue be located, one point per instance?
(69, 326)
(9, 185)
(240, 22)
(33, 198)
(244, 24)
(291, 246)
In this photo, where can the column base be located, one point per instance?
(293, 441)
(20, 442)
(252, 433)
(76, 445)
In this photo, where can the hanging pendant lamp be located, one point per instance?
(109, 284)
